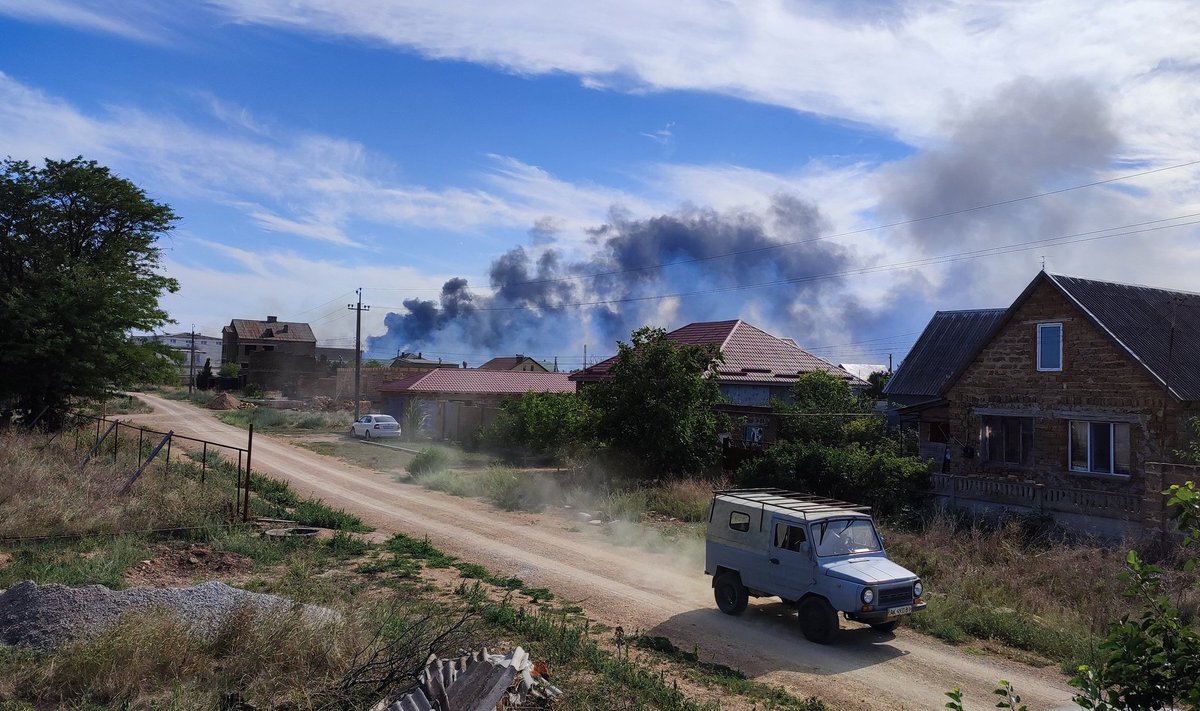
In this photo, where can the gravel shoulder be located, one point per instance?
(663, 594)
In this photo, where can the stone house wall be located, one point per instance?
(1099, 381)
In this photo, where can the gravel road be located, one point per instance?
(664, 594)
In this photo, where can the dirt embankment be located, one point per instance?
(662, 594)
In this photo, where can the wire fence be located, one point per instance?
(97, 438)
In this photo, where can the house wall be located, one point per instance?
(1098, 381)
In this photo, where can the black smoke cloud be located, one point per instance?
(535, 294)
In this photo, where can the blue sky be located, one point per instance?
(311, 148)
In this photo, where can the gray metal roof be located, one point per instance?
(807, 506)
(1139, 319)
(947, 344)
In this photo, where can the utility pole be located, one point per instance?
(889, 362)
(358, 309)
(192, 361)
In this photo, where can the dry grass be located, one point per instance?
(1017, 587)
(277, 660)
(44, 493)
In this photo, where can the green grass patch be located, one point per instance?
(314, 512)
(418, 549)
(269, 419)
(431, 460)
(91, 561)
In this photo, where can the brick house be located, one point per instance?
(757, 369)
(1067, 402)
(273, 354)
(458, 402)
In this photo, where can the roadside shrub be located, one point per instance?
(885, 481)
(316, 513)
(429, 461)
(549, 425)
(515, 491)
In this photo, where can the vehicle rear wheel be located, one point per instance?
(885, 627)
(730, 594)
(818, 620)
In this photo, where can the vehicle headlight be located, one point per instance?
(868, 596)
(917, 589)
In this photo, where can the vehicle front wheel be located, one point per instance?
(885, 627)
(818, 620)
(730, 594)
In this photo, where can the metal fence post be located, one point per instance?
(167, 464)
(116, 440)
(203, 461)
(246, 498)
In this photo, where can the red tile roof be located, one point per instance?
(480, 382)
(751, 354)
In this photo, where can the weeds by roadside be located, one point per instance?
(267, 419)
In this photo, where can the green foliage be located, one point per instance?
(79, 270)
(230, 370)
(833, 445)
(431, 460)
(1009, 699)
(205, 379)
(314, 512)
(878, 380)
(413, 420)
(656, 409)
(880, 478)
(552, 425)
(1150, 661)
(1190, 453)
(252, 390)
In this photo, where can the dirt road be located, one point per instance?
(663, 594)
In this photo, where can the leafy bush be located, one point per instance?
(431, 460)
(551, 425)
(881, 479)
(316, 513)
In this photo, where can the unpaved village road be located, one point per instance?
(662, 594)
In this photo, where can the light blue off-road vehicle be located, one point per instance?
(821, 555)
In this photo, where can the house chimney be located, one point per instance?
(419, 356)
(272, 319)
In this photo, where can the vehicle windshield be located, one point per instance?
(845, 536)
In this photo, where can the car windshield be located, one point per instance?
(384, 418)
(845, 536)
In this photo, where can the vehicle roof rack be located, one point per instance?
(795, 501)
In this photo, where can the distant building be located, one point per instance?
(273, 354)
(417, 361)
(862, 371)
(206, 348)
(518, 363)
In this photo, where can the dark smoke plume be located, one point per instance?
(535, 290)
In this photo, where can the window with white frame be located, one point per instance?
(1099, 447)
(1007, 440)
(1050, 346)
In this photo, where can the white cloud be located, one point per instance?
(899, 69)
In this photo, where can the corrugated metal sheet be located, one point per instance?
(947, 344)
(476, 682)
(480, 382)
(751, 354)
(1140, 319)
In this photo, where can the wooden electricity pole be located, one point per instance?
(358, 309)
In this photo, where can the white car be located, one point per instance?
(372, 426)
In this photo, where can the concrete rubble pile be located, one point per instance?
(477, 682)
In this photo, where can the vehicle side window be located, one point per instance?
(739, 521)
(789, 537)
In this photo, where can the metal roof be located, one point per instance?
(247, 329)
(948, 343)
(751, 355)
(1158, 328)
(511, 363)
(480, 382)
(794, 502)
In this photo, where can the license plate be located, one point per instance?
(897, 611)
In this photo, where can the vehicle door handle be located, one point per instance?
(775, 561)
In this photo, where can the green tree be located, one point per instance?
(878, 381)
(546, 424)
(79, 270)
(204, 380)
(822, 406)
(657, 406)
(229, 369)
